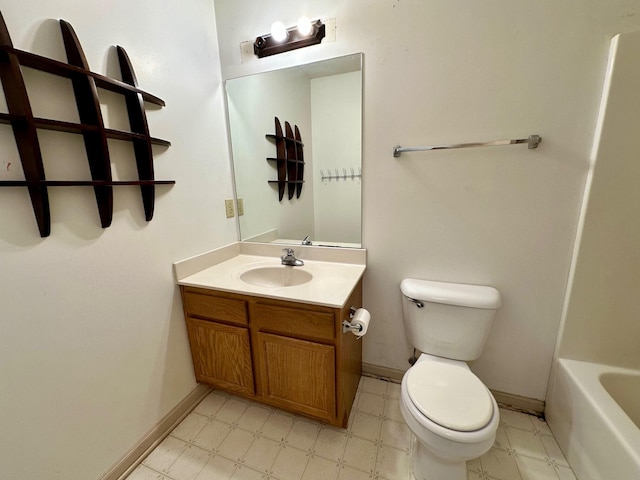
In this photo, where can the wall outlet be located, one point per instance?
(240, 207)
(228, 206)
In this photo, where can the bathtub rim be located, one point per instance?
(575, 414)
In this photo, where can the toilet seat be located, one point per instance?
(450, 396)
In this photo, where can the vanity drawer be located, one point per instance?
(201, 304)
(294, 322)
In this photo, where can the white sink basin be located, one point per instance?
(280, 276)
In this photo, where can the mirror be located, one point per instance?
(324, 100)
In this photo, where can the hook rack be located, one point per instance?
(532, 142)
(344, 175)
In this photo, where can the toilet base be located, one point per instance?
(428, 466)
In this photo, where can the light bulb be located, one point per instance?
(278, 31)
(304, 26)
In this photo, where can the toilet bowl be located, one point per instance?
(452, 414)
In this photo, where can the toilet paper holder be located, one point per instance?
(346, 324)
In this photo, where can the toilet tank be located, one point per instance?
(450, 320)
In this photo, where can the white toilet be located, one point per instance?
(450, 411)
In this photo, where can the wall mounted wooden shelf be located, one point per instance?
(85, 84)
(289, 160)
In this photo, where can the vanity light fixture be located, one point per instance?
(282, 39)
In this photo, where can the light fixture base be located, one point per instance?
(265, 45)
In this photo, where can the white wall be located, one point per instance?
(601, 321)
(446, 72)
(336, 106)
(93, 348)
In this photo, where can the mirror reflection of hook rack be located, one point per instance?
(337, 176)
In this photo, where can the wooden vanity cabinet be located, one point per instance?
(287, 354)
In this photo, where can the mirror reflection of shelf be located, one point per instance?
(286, 139)
(299, 162)
(289, 160)
(285, 160)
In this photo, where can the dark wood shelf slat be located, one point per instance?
(15, 92)
(138, 123)
(62, 69)
(70, 127)
(61, 126)
(281, 153)
(299, 160)
(122, 135)
(292, 166)
(285, 160)
(83, 183)
(95, 139)
(283, 137)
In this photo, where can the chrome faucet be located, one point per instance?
(307, 241)
(289, 258)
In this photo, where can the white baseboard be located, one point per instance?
(140, 450)
(506, 400)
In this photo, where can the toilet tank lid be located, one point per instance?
(459, 294)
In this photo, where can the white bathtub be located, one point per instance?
(594, 413)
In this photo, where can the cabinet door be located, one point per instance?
(298, 375)
(221, 355)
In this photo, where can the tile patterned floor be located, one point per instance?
(227, 437)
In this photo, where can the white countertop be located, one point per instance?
(331, 285)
